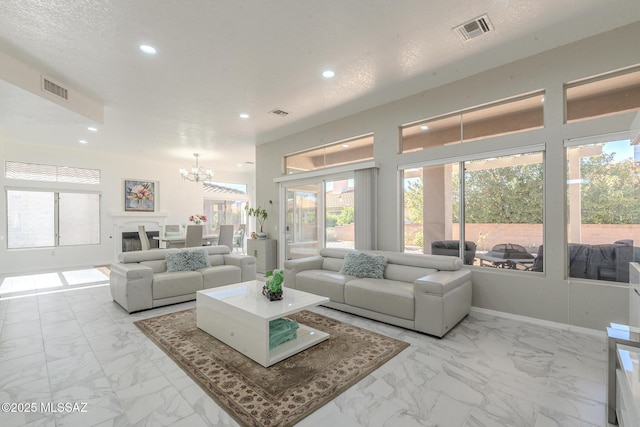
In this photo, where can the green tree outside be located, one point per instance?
(610, 194)
(346, 216)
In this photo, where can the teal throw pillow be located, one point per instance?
(363, 265)
(187, 260)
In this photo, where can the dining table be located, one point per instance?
(179, 241)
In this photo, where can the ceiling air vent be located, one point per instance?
(279, 112)
(55, 89)
(474, 28)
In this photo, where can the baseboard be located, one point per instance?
(546, 323)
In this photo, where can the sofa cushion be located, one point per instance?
(406, 273)
(167, 285)
(332, 264)
(328, 284)
(187, 260)
(364, 265)
(138, 256)
(436, 262)
(390, 297)
(220, 275)
(216, 260)
(157, 265)
(216, 249)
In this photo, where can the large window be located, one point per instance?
(435, 220)
(604, 95)
(603, 205)
(335, 154)
(224, 203)
(51, 173)
(501, 218)
(38, 219)
(499, 118)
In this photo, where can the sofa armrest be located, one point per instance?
(295, 266)
(247, 265)
(441, 282)
(131, 286)
(302, 264)
(442, 299)
(131, 271)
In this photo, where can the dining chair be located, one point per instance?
(226, 236)
(238, 240)
(193, 237)
(171, 230)
(144, 239)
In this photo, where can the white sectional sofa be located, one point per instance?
(426, 293)
(146, 279)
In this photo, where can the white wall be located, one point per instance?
(176, 197)
(548, 296)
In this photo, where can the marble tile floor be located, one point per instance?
(79, 347)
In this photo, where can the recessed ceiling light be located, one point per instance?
(345, 145)
(328, 74)
(149, 50)
(239, 164)
(244, 116)
(424, 127)
(92, 129)
(82, 141)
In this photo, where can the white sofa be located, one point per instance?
(140, 280)
(426, 293)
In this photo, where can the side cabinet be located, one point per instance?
(264, 250)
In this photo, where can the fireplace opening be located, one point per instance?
(131, 241)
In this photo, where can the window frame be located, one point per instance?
(460, 114)
(325, 166)
(56, 192)
(461, 161)
(634, 137)
(599, 78)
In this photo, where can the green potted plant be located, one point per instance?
(261, 214)
(273, 288)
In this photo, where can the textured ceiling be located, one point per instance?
(217, 59)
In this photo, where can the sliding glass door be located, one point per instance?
(302, 222)
(319, 213)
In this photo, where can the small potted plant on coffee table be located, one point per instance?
(273, 288)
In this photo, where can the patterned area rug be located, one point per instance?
(286, 392)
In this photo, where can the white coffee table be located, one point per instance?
(239, 316)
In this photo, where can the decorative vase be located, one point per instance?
(261, 235)
(273, 296)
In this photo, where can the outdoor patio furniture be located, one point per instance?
(597, 262)
(452, 248)
(507, 255)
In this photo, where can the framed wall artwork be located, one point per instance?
(139, 195)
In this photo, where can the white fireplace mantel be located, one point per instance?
(129, 221)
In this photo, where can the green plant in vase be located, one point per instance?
(261, 214)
